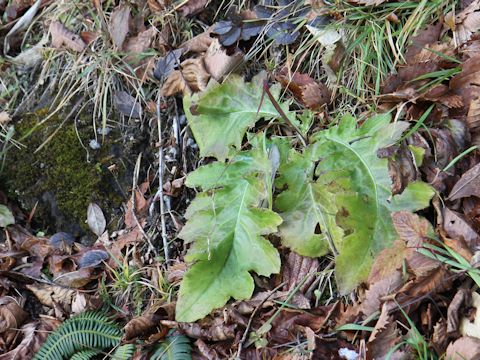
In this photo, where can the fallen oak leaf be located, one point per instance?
(61, 36)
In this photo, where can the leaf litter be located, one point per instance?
(269, 218)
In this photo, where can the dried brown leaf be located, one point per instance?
(199, 43)
(140, 43)
(157, 5)
(192, 77)
(12, 315)
(298, 269)
(384, 337)
(306, 90)
(192, 7)
(468, 185)
(464, 348)
(425, 37)
(48, 295)
(411, 228)
(141, 326)
(218, 63)
(61, 36)
(76, 279)
(458, 228)
(440, 337)
(374, 296)
(462, 297)
(466, 22)
(34, 334)
(119, 24)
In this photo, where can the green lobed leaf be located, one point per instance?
(226, 227)
(220, 116)
(346, 196)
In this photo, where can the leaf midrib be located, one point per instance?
(229, 252)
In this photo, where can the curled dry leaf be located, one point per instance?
(95, 219)
(49, 295)
(306, 90)
(92, 258)
(12, 316)
(218, 63)
(61, 36)
(119, 25)
(191, 78)
(141, 326)
(461, 298)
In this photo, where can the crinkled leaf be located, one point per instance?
(226, 226)
(306, 207)
(220, 116)
(349, 190)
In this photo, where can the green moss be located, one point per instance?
(59, 177)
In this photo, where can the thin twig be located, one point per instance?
(249, 324)
(160, 182)
(282, 113)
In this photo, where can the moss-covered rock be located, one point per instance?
(59, 177)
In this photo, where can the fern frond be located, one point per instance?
(174, 347)
(84, 355)
(90, 330)
(124, 352)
